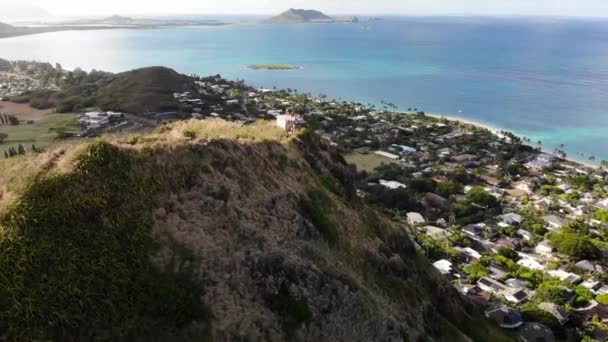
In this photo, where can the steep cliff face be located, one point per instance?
(209, 230)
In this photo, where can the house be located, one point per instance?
(531, 263)
(492, 286)
(415, 218)
(588, 266)
(556, 311)
(392, 184)
(444, 267)
(603, 204)
(516, 296)
(516, 284)
(436, 201)
(472, 229)
(543, 203)
(508, 242)
(593, 286)
(289, 122)
(544, 248)
(525, 187)
(505, 317)
(436, 232)
(497, 271)
(490, 180)
(511, 219)
(387, 155)
(565, 276)
(526, 235)
(553, 221)
(405, 149)
(535, 332)
(464, 158)
(471, 253)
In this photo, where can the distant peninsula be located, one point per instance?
(273, 67)
(302, 16)
(113, 22)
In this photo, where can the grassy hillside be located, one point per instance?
(136, 91)
(210, 230)
(142, 90)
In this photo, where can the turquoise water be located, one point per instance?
(546, 79)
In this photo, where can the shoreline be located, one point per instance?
(497, 131)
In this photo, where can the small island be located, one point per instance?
(301, 16)
(273, 67)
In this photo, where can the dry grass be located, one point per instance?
(194, 131)
(23, 111)
(15, 173)
(366, 162)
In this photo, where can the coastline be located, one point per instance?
(497, 131)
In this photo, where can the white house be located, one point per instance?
(444, 266)
(544, 248)
(387, 155)
(392, 184)
(512, 219)
(286, 122)
(415, 218)
(565, 276)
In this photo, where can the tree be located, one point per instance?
(21, 149)
(13, 120)
(575, 246)
(553, 291)
(476, 270)
(3, 137)
(602, 215)
(508, 253)
(602, 299)
(583, 295)
(480, 197)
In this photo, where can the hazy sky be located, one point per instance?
(17, 8)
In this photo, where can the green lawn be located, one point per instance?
(41, 133)
(366, 162)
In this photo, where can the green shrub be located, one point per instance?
(75, 256)
(315, 209)
(190, 134)
(295, 312)
(602, 299)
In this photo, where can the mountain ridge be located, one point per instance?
(210, 229)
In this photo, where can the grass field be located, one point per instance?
(366, 162)
(41, 133)
(23, 111)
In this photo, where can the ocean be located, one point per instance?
(542, 78)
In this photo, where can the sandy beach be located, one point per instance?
(497, 131)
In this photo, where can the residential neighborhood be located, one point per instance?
(517, 230)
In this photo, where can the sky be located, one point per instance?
(29, 9)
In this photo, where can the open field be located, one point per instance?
(23, 111)
(366, 162)
(41, 133)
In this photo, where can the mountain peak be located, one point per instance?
(298, 16)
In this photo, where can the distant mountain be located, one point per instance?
(14, 12)
(5, 27)
(301, 16)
